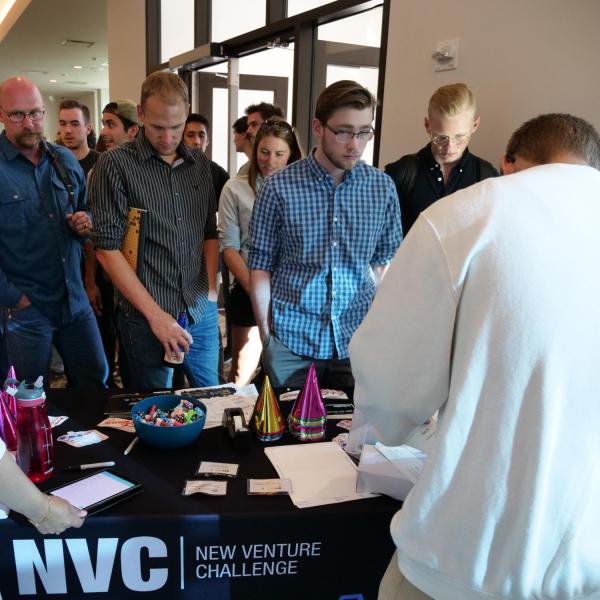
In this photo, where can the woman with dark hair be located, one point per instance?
(275, 147)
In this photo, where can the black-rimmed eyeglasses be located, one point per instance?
(343, 136)
(18, 116)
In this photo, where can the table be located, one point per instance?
(166, 545)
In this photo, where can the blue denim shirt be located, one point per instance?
(320, 242)
(40, 255)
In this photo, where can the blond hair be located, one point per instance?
(170, 88)
(452, 99)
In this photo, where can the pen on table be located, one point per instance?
(127, 396)
(108, 463)
(130, 447)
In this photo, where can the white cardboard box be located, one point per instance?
(378, 474)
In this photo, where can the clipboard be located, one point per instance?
(98, 491)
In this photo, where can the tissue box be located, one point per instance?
(377, 474)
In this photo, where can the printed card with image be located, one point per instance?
(118, 423)
(78, 439)
(56, 421)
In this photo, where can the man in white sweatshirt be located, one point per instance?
(490, 313)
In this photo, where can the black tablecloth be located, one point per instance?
(163, 543)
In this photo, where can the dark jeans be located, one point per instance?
(30, 335)
(286, 369)
(107, 325)
(145, 353)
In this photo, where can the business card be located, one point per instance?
(204, 486)
(206, 468)
(269, 487)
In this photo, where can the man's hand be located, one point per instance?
(80, 223)
(169, 333)
(94, 296)
(22, 303)
(264, 334)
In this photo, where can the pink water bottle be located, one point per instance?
(35, 452)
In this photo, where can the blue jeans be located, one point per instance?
(30, 335)
(145, 353)
(286, 369)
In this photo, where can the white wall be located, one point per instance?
(52, 103)
(520, 57)
(126, 33)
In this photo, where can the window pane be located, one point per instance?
(299, 6)
(363, 29)
(176, 28)
(349, 49)
(231, 18)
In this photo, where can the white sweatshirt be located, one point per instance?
(490, 312)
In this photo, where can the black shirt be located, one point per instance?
(219, 177)
(89, 161)
(428, 185)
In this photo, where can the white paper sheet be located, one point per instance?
(321, 473)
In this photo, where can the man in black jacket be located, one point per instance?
(445, 165)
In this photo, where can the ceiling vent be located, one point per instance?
(76, 44)
(33, 72)
(74, 82)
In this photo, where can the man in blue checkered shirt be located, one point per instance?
(322, 234)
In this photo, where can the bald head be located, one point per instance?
(20, 99)
(18, 86)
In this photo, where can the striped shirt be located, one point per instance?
(320, 242)
(181, 206)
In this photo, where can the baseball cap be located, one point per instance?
(127, 109)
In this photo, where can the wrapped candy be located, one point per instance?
(266, 418)
(308, 417)
(182, 414)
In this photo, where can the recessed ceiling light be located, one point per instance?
(77, 67)
(52, 80)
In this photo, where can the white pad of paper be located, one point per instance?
(321, 473)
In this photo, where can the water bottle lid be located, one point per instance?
(31, 393)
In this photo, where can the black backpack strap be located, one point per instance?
(486, 170)
(61, 171)
(404, 174)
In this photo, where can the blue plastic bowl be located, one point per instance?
(166, 437)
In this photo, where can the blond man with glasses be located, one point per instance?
(445, 164)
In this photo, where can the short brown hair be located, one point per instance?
(71, 103)
(170, 88)
(542, 138)
(279, 128)
(452, 99)
(341, 94)
(265, 109)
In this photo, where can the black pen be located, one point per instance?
(100, 465)
(126, 396)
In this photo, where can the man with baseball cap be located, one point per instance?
(120, 123)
